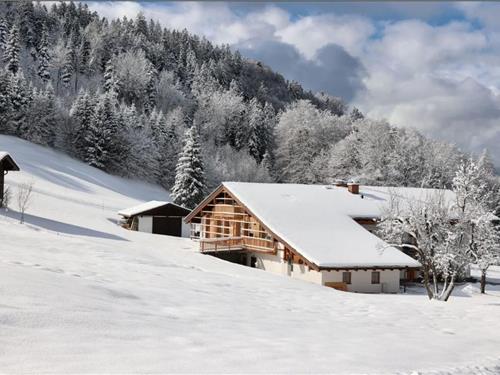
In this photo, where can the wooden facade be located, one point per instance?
(6, 164)
(222, 223)
(225, 224)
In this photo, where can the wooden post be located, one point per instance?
(1, 186)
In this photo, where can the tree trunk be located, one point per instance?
(426, 284)
(76, 81)
(483, 281)
(449, 289)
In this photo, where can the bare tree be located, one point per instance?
(424, 228)
(24, 194)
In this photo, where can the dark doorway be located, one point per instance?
(253, 262)
(171, 226)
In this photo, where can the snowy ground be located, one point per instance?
(80, 294)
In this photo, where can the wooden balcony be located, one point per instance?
(221, 244)
(236, 243)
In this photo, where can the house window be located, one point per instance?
(346, 277)
(375, 277)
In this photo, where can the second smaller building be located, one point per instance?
(157, 217)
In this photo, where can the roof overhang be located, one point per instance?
(202, 204)
(7, 163)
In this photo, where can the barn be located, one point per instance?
(6, 164)
(156, 217)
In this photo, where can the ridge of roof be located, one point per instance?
(146, 206)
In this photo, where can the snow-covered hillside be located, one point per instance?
(80, 294)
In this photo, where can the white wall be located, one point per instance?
(145, 224)
(269, 262)
(186, 229)
(276, 264)
(361, 281)
(302, 272)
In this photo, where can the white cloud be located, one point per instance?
(311, 33)
(118, 9)
(436, 79)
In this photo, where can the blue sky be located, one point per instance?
(434, 66)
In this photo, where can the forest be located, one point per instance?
(145, 102)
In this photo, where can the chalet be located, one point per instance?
(321, 234)
(156, 217)
(6, 164)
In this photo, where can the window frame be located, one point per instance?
(377, 281)
(349, 274)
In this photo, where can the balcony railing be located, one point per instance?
(221, 244)
(235, 243)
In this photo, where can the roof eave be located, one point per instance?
(13, 165)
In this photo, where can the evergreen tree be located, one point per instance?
(356, 114)
(83, 111)
(20, 97)
(141, 24)
(189, 187)
(5, 103)
(174, 124)
(74, 63)
(43, 58)
(4, 33)
(110, 83)
(257, 141)
(41, 123)
(150, 97)
(268, 164)
(101, 151)
(67, 69)
(11, 55)
(84, 55)
(26, 22)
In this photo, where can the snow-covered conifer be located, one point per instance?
(20, 95)
(110, 83)
(43, 58)
(12, 49)
(4, 33)
(189, 187)
(41, 118)
(356, 114)
(67, 69)
(83, 112)
(257, 138)
(101, 151)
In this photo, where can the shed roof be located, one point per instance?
(317, 220)
(7, 163)
(148, 206)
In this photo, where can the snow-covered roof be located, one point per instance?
(136, 210)
(6, 155)
(317, 220)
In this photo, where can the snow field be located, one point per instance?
(80, 294)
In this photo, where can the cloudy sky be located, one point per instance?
(432, 66)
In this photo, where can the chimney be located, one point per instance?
(353, 187)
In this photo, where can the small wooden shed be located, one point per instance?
(157, 217)
(6, 164)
